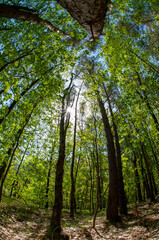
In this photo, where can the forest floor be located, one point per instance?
(19, 221)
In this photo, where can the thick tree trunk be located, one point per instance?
(2, 168)
(89, 13)
(113, 196)
(122, 196)
(55, 226)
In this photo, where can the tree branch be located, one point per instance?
(29, 15)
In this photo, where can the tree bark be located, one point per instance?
(29, 15)
(55, 231)
(122, 196)
(48, 177)
(89, 13)
(72, 195)
(113, 196)
(7, 170)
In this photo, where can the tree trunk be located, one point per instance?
(91, 174)
(96, 157)
(144, 177)
(73, 178)
(113, 197)
(152, 196)
(3, 167)
(137, 178)
(55, 226)
(48, 178)
(89, 13)
(122, 196)
(7, 170)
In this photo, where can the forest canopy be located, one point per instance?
(79, 105)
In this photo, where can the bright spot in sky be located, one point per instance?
(70, 110)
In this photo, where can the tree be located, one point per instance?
(73, 178)
(55, 226)
(40, 44)
(122, 196)
(113, 197)
(89, 14)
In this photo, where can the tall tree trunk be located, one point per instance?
(96, 157)
(48, 177)
(72, 195)
(91, 173)
(122, 196)
(55, 226)
(113, 196)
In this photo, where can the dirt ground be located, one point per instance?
(22, 222)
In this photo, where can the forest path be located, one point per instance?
(19, 221)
